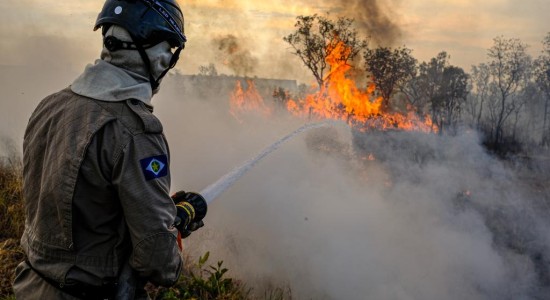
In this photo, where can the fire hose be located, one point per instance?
(128, 280)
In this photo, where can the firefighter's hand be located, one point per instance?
(191, 209)
(186, 231)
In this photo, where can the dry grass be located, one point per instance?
(10, 255)
(11, 199)
(12, 218)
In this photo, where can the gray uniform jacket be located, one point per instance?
(96, 188)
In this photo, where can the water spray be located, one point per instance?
(211, 192)
(128, 280)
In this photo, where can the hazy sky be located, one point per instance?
(39, 32)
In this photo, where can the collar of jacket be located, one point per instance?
(107, 82)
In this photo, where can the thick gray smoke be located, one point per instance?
(231, 53)
(339, 214)
(372, 17)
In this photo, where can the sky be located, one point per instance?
(41, 32)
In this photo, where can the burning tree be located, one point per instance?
(339, 98)
(317, 38)
(327, 48)
(389, 69)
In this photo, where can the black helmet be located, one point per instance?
(149, 22)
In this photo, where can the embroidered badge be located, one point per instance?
(154, 167)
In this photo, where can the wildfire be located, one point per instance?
(339, 99)
(247, 100)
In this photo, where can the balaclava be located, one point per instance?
(121, 74)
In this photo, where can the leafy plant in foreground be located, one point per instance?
(205, 282)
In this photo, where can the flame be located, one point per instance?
(249, 100)
(340, 99)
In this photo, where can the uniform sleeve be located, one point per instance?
(141, 176)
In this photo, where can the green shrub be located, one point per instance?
(204, 283)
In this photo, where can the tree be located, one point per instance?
(542, 78)
(316, 38)
(440, 89)
(423, 87)
(281, 96)
(480, 79)
(508, 62)
(527, 94)
(450, 97)
(389, 69)
(209, 70)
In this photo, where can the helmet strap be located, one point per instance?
(173, 62)
(146, 62)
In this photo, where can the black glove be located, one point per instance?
(191, 209)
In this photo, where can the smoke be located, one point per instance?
(431, 217)
(373, 18)
(39, 64)
(231, 53)
(252, 43)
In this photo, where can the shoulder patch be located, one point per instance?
(154, 167)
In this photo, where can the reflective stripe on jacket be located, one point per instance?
(96, 188)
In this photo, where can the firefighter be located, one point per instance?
(97, 168)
